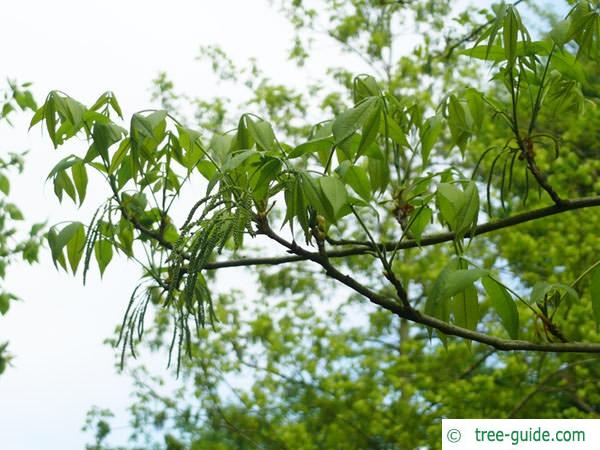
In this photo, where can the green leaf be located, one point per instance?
(76, 246)
(314, 194)
(595, 294)
(494, 53)
(370, 129)
(312, 146)
(54, 249)
(147, 131)
(352, 119)
(58, 241)
(50, 116)
(459, 123)
(14, 212)
(429, 134)
(38, 116)
(115, 104)
(466, 217)
(63, 165)
(102, 100)
(4, 184)
(396, 133)
(105, 135)
(262, 132)
(119, 155)
(449, 200)
(504, 306)
(476, 107)
(236, 159)
(542, 289)
(66, 234)
(365, 86)
(4, 306)
(459, 209)
(335, 193)
(436, 304)
(356, 177)
(104, 253)
(263, 177)
(457, 281)
(568, 66)
(62, 183)
(80, 179)
(379, 174)
(465, 308)
(74, 112)
(560, 33)
(539, 291)
(419, 220)
(510, 35)
(243, 138)
(585, 29)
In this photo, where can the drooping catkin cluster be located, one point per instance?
(221, 222)
(214, 222)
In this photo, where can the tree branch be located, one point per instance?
(364, 247)
(424, 319)
(541, 179)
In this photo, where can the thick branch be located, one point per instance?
(424, 319)
(366, 247)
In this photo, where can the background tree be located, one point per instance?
(402, 155)
(13, 242)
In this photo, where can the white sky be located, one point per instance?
(84, 48)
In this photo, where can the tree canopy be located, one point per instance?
(373, 159)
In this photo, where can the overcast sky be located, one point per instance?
(62, 367)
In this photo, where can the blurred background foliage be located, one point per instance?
(15, 242)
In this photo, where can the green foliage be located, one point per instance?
(15, 243)
(384, 196)
(247, 172)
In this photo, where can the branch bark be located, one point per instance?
(413, 315)
(365, 247)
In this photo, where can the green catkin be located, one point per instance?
(229, 229)
(91, 240)
(510, 173)
(131, 332)
(489, 183)
(241, 221)
(502, 184)
(179, 247)
(123, 324)
(178, 264)
(480, 160)
(195, 261)
(172, 345)
(143, 315)
(188, 341)
(179, 346)
(526, 186)
(124, 346)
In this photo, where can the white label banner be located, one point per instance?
(520, 434)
